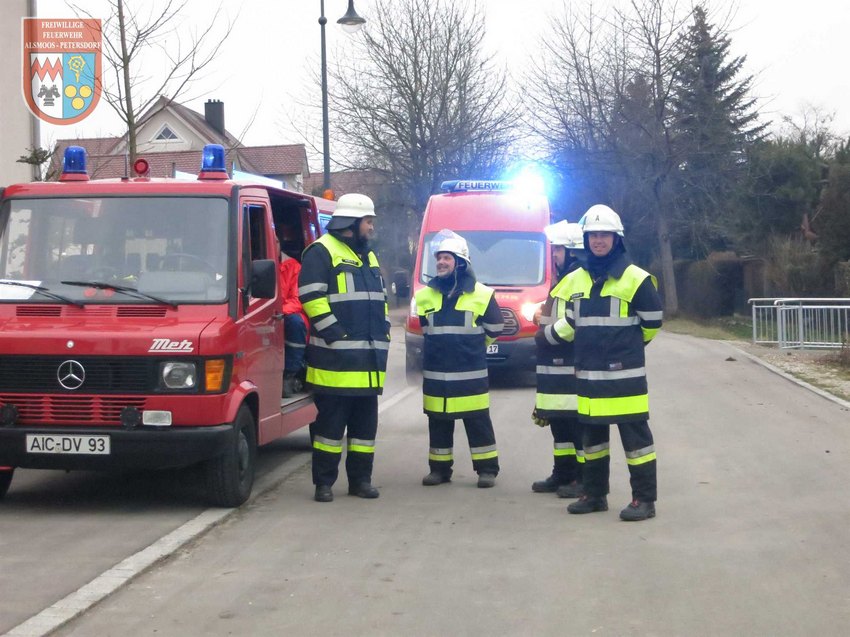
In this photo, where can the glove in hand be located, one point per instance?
(537, 420)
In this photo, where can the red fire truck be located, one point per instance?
(503, 225)
(141, 325)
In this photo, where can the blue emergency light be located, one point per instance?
(529, 178)
(530, 182)
(74, 161)
(212, 160)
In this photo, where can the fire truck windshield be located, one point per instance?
(171, 248)
(498, 257)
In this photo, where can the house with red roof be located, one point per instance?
(171, 137)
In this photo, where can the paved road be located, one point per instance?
(58, 531)
(750, 539)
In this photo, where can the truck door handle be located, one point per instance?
(277, 316)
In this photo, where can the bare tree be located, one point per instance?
(420, 100)
(601, 98)
(136, 40)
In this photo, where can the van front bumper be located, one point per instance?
(517, 354)
(139, 448)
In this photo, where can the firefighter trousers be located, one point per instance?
(568, 449)
(640, 458)
(357, 414)
(482, 444)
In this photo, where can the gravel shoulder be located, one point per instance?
(816, 367)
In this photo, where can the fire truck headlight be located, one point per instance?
(178, 375)
(528, 309)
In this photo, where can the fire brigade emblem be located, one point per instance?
(62, 71)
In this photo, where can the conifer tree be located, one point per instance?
(715, 121)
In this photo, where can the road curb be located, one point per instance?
(817, 390)
(110, 581)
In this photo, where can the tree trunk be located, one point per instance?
(668, 274)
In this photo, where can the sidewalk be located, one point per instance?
(398, 314)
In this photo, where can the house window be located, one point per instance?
(166, 135)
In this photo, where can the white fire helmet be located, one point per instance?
(448, 241)
(600, 218)
(349, 208)
(565, 234)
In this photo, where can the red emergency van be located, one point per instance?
(503, 225)
(141, 324)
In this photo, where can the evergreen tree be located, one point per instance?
(714, 123)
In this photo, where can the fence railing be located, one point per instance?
(801, 322)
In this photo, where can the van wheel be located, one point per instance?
(230, 476)
(413, 368)
(5, 481)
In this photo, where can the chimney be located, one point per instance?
(214, 115)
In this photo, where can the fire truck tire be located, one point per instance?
(5, 481)
(230, 476)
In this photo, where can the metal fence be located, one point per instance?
(801, 323)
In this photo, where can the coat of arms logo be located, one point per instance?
(62, 70)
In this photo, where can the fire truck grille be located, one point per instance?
(40, 374)
(69, 410)
(510, 321)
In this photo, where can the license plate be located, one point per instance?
(83, 445)
(493, 348)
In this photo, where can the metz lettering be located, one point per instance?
(167, 345)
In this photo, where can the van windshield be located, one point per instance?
(173, 248)
(498, 258)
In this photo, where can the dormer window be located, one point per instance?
(166, 135)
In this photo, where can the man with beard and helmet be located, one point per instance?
(459, 318)
(555, 402)
(612, 312)
(343, 294)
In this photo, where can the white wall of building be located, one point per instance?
(16, 123)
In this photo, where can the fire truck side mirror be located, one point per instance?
(263, 279)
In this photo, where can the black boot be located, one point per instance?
(588, 504)
(637, 511)
(549, 485)
(323, 493)
(363, 490)
(571, 490)
(486, 480)
(434, 478)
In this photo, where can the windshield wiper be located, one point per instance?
(43, 290)
(100, 285)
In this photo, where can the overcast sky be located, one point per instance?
(796, 49)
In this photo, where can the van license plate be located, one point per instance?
(493, 348)
(84, 445)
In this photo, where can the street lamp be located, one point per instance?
(351, 22)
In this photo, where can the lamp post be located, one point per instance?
(351, 22)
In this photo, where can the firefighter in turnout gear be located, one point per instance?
(612, 312)
(556, 402)
(459, 318)
(343, 295)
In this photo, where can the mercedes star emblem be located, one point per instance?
(71, 375)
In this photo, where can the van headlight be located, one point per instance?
(528, 309)
(178, 375)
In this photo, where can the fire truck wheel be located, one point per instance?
(230, 476)
(5, 481)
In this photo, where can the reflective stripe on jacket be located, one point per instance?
(456, 333)
(611, 321)
(345, 300)
(556, 378)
